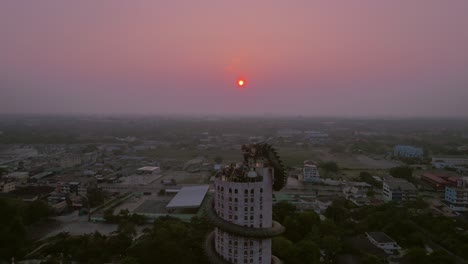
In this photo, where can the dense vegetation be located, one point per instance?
(403, 172)
(412, 226)
(168, 240)
(307, 238)
(15, 217)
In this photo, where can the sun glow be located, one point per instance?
(241, 83)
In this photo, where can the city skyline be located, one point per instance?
(395, 59)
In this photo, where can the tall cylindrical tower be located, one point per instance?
(241, 209)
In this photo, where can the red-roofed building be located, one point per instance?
(439, 181)
(453, 180)
(435, 180)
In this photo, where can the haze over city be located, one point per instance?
(234, 132)
(355, 58)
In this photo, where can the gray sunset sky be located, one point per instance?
(391, 58)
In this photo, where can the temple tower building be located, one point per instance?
(241, 208)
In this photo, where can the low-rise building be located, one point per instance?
(40, 177)
(72, 188)
(435, 180)
(7, 186)
(439, 180)
(149, 170)
(316, 137)
(398, 190)
(89, 158)
(457, 196)
(70, 160)
(288, 133)
(310, 172)
(449, 162)
(383, 241)
(18, 176)
(408, 152)
(356, 195)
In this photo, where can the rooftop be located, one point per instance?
(380, 237)
(189, 197)
(148, 168)
(42, 175)
(436, 178)
(400, 184)
(283, 197)
(449, 157)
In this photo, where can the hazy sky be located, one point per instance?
(321, 57)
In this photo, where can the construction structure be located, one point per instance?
(241, 208)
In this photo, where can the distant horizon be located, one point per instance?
(233, 116)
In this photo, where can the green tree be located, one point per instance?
(129, 260)
(332, 246)
(329, 166)
(303, 252)
(337, 211)
(418, 204)
(371, 259)
(168, 238)
(365, 176)
(109, 216)
(281, 210)
(35, 211)
(127, 228)
(281, 247)
(439, 256)
(417, 255)
(403, 172)
(299, 225)
(15, 217)
(95, 197)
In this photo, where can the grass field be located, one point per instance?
(291, 157)
(188, 154)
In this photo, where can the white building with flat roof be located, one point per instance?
(383, 241)
(188, 197)
(398, 190)
(457, 196)
(311, 173)
(449, 161)
(149, 170)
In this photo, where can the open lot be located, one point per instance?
(79, 225)
(183, 177)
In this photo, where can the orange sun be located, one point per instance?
(240, 83)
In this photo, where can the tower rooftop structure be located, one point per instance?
(241, 209)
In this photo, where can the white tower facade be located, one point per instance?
(242, 213)
(247, 204)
